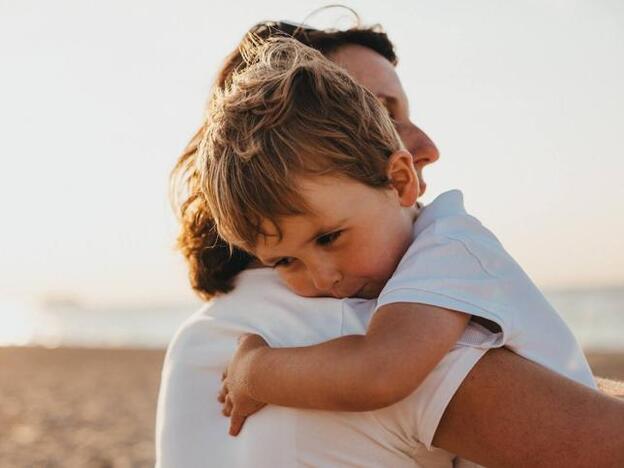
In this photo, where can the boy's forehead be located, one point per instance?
(324, 195)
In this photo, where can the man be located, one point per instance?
(495, 408)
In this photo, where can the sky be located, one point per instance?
(524, 99)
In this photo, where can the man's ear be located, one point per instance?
(403, 178)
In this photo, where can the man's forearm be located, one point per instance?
(512, 412)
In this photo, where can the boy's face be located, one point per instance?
(353, 238)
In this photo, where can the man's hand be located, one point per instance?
(234, 393)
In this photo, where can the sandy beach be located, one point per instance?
(71, 407)
(78, 407)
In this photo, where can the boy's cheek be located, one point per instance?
(371, 265)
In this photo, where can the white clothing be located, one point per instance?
(191, 431)
(456, 263)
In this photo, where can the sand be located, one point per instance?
(87, 408)
(78, 407)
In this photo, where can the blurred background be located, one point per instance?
(524, 99)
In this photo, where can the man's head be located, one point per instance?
(378, 74)
(368, 55)
(295, 151)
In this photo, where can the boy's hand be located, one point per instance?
(237, 403)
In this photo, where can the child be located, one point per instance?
(303, 168)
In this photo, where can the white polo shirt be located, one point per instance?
(191, 431)
(456, 263)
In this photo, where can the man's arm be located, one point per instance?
(404, 342)
(512, 412)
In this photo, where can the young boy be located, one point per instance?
(303, 168)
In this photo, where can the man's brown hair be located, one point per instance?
(212, 262)
(287, 112)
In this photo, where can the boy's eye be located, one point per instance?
(327, 239)
(283, 262)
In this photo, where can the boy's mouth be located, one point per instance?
(367, 291)
(358, 293)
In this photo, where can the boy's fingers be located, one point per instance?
(256, 408)
(243, 336)
(223, 392)
(227, 407)
(236, 423)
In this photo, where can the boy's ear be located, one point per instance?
(403, 177)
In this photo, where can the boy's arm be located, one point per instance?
(404, 342)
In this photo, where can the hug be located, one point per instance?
(349, 324)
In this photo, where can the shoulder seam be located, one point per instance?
(472, 254)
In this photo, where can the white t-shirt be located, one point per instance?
(191, 431)
(456, 263)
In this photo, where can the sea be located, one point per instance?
(596, 318)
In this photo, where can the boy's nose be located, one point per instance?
(325, 278)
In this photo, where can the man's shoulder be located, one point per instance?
(201, 338)
(259, 304)
(221, 320)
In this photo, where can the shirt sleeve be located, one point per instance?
(431, 398)
(457, 273)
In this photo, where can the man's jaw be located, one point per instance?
(421, 182)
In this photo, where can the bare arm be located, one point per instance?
(512, 412)
(404, 342)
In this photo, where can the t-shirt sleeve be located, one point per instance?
(459, 273)
(432, 397)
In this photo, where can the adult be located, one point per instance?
(495, 408)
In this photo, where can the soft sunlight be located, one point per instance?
(524, 100)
